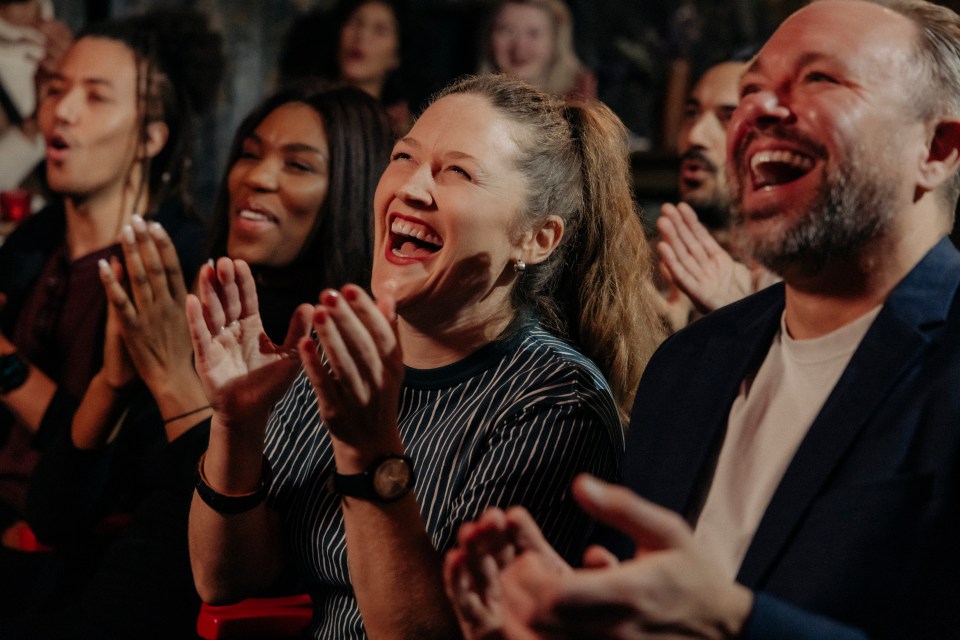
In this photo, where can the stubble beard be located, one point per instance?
(855, 204)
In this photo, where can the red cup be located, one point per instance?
(14, 205)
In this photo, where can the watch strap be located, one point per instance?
(361, 485)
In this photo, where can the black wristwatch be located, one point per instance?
(13, 372)
(386, 480)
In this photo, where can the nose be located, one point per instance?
(417, 189)
(705, 131)
(764, 109)
(67, 106)
(262, 175)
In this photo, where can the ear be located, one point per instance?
(540, 243)
(943, 155)
(156, 134)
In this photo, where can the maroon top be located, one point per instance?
(60, 328)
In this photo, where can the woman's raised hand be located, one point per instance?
(242, 372)
(151, 318)
(358, 375)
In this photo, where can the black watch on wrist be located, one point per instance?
(386, 480)
(13, 372)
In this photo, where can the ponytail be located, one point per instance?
(610, 308)
(596, 288)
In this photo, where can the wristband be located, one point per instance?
(231, 505)
(13, 372)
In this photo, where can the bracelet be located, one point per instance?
(231, 505)
(188, 413)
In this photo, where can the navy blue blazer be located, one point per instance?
(861, 537)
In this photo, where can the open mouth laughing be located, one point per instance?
(771, 168)
(413, 239)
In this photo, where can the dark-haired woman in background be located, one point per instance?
(357, 43)
(295, 203)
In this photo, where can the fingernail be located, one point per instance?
(157, 231)
(590, 487)
(138, 223)
(210, 263)
(104, 266)
(330, 298)
(127, 234)
(350, 294)
(320, 316)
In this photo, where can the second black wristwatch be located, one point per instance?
(386, 480)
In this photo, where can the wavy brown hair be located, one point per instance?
(596, 289)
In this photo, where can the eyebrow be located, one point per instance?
(453, 155)
(805, 59)
(102, 82)
(295, 147)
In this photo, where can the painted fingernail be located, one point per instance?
(320, 316)
(350, 294)
(104, 266)
(157, 231)
(127, 234)
(138, 224)
(330, 298)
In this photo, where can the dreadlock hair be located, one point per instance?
(179, 65)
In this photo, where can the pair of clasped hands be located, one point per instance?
(356, 372)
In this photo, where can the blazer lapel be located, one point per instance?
(892, 345)
(671, 467)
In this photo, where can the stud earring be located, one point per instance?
(519, 266)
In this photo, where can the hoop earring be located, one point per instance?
(519, 266)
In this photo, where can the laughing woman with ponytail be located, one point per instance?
(510, 282)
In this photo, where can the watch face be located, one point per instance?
(392, 478)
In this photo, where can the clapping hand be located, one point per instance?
(150, 318)
(671, 588)
(472, 572)
(697, 264)
(358, 375)
(242, 372)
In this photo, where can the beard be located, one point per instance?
(854, 205)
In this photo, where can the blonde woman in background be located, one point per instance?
(532, 40)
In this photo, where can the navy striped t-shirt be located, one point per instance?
(511, 424)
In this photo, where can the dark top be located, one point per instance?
(511, 424)
(55, 315)
(860, 536)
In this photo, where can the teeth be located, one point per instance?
(406, 228)
(801, 162)
(247, 214)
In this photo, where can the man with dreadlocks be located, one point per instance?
(116, 117)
